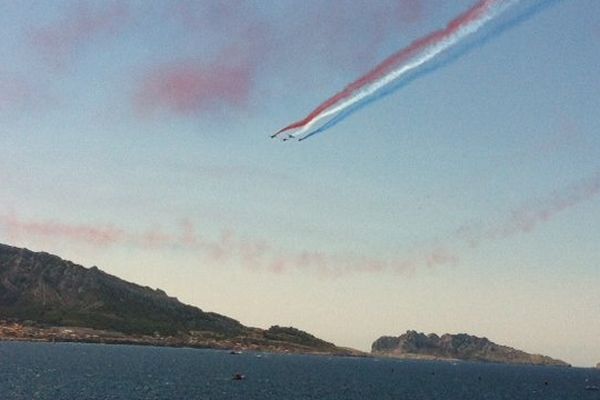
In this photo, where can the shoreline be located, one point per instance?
(35, 333)
(376, 357)
(141, 343)
(20, 332)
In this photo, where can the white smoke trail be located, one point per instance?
(425, 55)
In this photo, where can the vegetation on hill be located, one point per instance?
(44, 288)
(40, 292)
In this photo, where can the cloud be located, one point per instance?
(81, 24)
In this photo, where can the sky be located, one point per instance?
(135, 137)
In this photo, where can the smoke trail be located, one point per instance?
(447, 59)
(260, 255)
(526, 219)
(403, 63)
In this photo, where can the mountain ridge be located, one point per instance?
(417, 345)
(43, 297)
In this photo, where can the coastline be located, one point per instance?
(33, 333)
(427, 357)
(24, 332)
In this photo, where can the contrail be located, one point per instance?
(402, 63)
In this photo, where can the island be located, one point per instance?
(46, 298)
(419, 346)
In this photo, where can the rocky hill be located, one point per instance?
(44, 297)
(416, 345)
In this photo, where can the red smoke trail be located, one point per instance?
(188, 87)
(527, 219)
(98, 236)
(254, 255)
(326, 41)
(393, 61)
(14, 92)
(81, 24)
(259, 255)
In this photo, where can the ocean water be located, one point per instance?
(87, 371)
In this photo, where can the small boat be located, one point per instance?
(235, 352)
(592, 388)
(238, 377)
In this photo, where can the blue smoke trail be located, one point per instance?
(450, 57)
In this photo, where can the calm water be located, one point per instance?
(85, 371)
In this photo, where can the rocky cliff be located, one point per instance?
(40, 292)
(416, 345)
(45, 288)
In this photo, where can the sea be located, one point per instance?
(91, 371)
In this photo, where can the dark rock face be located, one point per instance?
(43, 297)
(417, 345)
(46, 289)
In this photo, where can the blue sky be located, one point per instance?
(136, 139)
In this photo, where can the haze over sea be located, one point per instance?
(88, 371)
